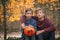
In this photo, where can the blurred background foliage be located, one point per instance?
(16, 8)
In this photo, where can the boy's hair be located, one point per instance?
(29, 9)
(39, 8)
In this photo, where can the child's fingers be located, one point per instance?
(30, 25)
(26, 26)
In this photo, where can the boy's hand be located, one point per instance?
(30, 26)
(26, 26)
(39, 32)
(23, 25)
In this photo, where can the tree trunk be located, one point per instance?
(4, 13)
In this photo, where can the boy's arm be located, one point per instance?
(51, 27)
(22, 21)
(34, 24)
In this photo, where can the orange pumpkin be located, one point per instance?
(29, 31)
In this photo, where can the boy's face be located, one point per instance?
(40, 14)
(28, 14)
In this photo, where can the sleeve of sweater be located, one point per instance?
(22, 19)
(51, 26)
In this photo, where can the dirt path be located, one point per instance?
(17, 35)
(12, 34)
